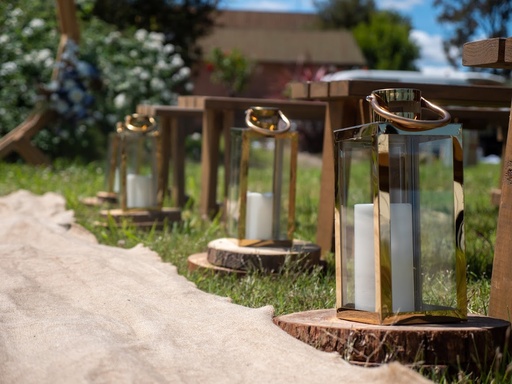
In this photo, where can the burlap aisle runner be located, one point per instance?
(74, 311)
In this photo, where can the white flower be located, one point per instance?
(4, 39)
(120, 101)
(168, 48)
(144, 75)
(157, 84)
(184, 72)
(157, 37)
(43, 55)
(7, 68)
(177, 61)
(36, 23)
(27, 31)
(133, 53)
(141, 35)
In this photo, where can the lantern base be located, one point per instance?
(470, 346)
(101, 198)
(144, 218)
(226, 253)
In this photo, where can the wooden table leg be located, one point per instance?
(228, 122)
(500, 305)
(165, 134)
(178, 160)
(212, 129)
(339, 114)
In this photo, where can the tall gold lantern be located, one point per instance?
(261, 203)
(399, 215)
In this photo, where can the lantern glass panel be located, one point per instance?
(260, 176)
(112, 182)
(140, 168)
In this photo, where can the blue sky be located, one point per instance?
(426, 31)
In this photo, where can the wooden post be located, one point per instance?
(497, 53)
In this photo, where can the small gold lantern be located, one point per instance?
(261, 196)
(260, 206)
(134, 172)
(399, 215)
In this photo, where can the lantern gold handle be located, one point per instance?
(412, 124)
(265, 120)
(139, 123)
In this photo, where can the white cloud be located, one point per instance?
(431, 47)
(400, 5)
(271, 5)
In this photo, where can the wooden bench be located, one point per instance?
(173, 143)
(346, 108)
(497, 53)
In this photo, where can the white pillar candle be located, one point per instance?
(402, 268)
(364, 258)
(139, 191)
(402, 282)
(258, 216)
(116, 181)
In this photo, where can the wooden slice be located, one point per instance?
(471, 345)
(199, 261)
(227, 253)
(144, 218)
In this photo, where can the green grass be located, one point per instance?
(291, 291)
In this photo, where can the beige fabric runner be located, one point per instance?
(75, 311)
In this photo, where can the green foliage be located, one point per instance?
(134, 67)
(181, 22)
(231, 69)
(385, 42)
(383, 36)
(344, 13)
(472, 20)
(294, 289)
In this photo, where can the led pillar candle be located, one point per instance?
(258, 216)
(401, 258)
(139, 191)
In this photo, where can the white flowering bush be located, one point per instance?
(133, 68)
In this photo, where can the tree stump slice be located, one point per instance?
(144, 218)
(225, 252)
(199, 262)
(471, 345)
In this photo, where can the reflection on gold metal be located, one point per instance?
(266, 120)
(403, 107)
(140, 123)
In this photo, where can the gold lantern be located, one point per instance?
(399, 215)
(260, 207)
(134, 173)
(261, 203)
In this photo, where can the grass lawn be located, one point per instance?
(291, 291)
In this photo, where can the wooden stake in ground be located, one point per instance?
(497, 53)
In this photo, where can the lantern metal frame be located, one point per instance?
(376, 136)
